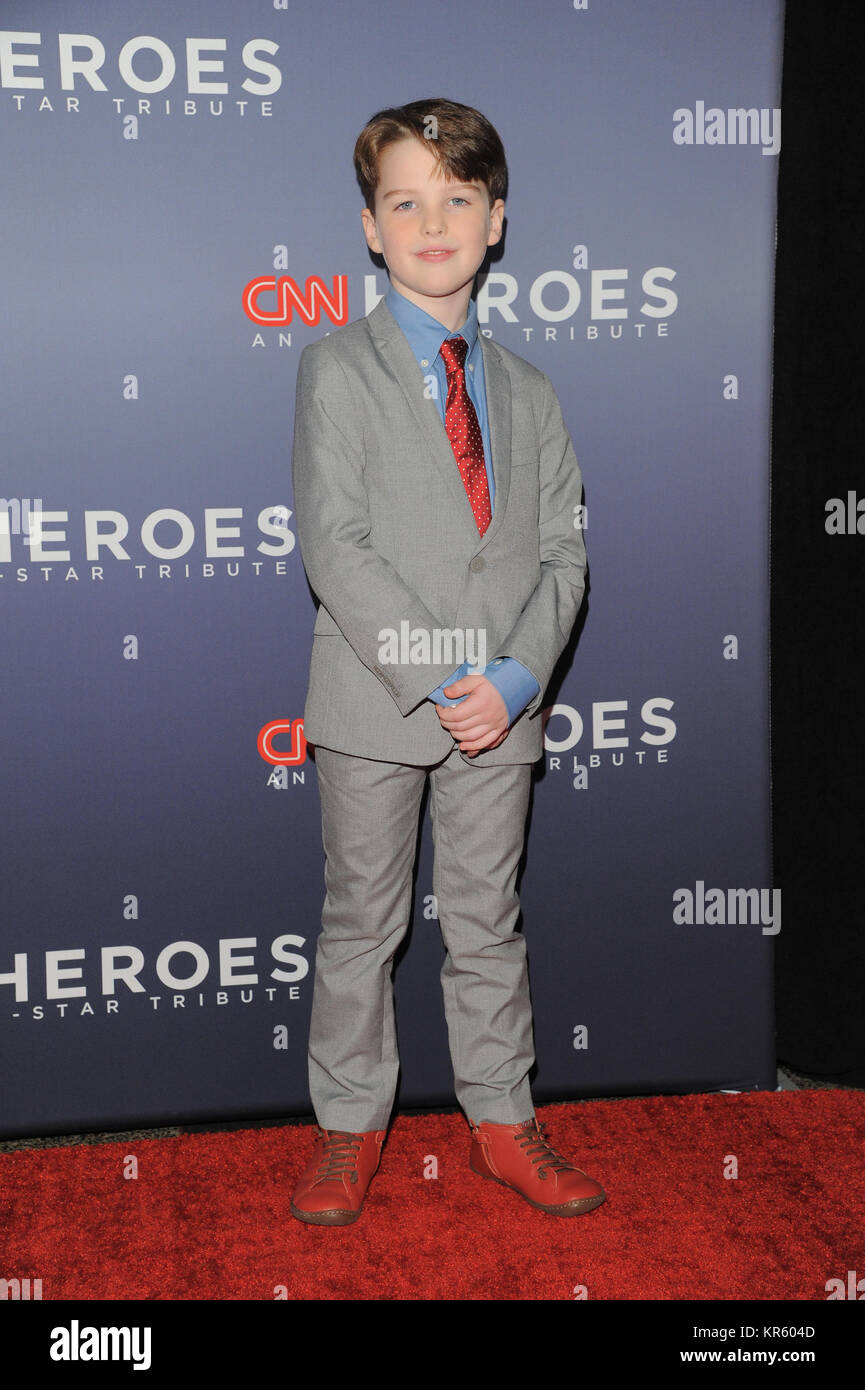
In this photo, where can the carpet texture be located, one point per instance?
(207, 1216)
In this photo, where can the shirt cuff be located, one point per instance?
(514, 682)
(438, 696)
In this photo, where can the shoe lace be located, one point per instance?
(339, 1156)
(534, 1142)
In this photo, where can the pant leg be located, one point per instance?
(478, 821)
(369, 817)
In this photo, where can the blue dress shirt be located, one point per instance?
(514, 682)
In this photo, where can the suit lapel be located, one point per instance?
(498, 389)
(392, 343)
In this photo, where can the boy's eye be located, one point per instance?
(407, 202)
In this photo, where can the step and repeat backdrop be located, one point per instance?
(179, 219)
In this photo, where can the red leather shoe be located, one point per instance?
(519, 1156)
(334, 1183)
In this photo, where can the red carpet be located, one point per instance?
(208, 1215)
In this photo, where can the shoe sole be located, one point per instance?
(575, 1208)
(334, 1217)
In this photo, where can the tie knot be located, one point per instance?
(453, 351)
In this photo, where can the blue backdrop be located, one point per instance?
(162, 869)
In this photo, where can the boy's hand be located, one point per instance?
(481, 721)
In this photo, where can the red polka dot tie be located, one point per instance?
(464, 432)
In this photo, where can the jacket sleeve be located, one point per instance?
(542, 629)
(359, 588)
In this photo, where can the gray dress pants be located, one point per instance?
(369, 813)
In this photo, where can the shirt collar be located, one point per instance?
(424, 333)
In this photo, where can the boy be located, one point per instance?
(435, 489)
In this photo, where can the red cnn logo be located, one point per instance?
(298, 742)
(309, 304)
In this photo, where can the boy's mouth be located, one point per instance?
(438, 253)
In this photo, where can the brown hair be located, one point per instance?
(463, 142)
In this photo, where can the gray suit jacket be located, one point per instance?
(387, 537)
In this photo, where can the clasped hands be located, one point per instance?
(478, 722)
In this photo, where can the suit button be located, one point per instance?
(478, 563)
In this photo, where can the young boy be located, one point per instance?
(435, 490)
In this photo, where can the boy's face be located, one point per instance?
(432, 234)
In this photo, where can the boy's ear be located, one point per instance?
(497, 212)
(370, 232)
